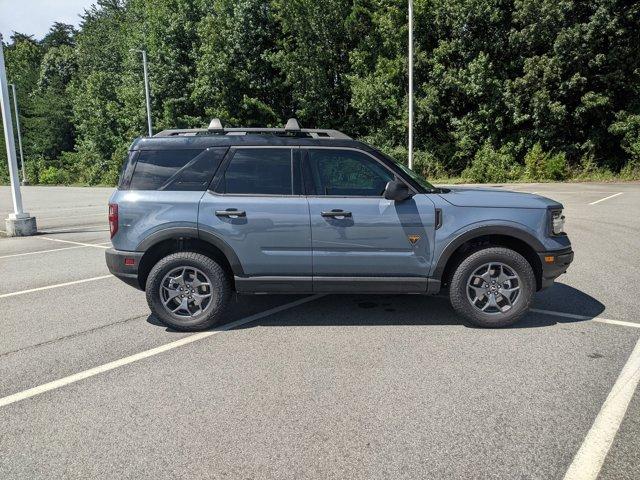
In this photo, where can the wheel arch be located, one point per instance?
(514, 238)
(174, 240)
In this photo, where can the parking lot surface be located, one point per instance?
(92, 386)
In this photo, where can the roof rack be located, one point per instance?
(292, 128)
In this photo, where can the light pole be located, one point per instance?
(15, 109)
(19, 222)
(411, 84)
(146, 87)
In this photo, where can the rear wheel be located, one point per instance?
(188, 291)
(493, 287)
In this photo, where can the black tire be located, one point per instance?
(458, 287)
(210, 315)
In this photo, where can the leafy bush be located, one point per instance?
(4, 173)
(555, 167)
(424, 162)
(54, 176)
(631, 171)
(534, 162)
(492, 166)
(541, 165)
(589, 170)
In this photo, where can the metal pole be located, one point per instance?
(8, 137)
(411, 84)
(146, 90)
(15, 109)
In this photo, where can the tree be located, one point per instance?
(236, 80)
(313, 57)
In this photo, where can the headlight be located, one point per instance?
(557, 222)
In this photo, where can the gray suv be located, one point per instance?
(202, 213)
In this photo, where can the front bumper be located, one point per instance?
(128, 273)
(554, 263)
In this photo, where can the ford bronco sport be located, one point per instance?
(201, 213)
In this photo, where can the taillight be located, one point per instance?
(113, 219)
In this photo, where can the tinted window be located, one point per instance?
(155, 167)
(196, 175)
(346, 172)
(127, 170)
(259, 171)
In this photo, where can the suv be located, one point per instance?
(202, 213)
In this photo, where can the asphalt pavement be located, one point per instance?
(341, 386)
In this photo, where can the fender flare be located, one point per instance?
(193, 232)
(504, 230)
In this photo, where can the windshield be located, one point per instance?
(417, 178)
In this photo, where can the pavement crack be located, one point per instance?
(73, 335)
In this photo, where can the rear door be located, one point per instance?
(357, 232)
(255, 205)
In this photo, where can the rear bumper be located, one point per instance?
(127, 273)
(554, 263)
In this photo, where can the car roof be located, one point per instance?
(249, 139)
(216, 135)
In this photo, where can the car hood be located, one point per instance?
(477, 197)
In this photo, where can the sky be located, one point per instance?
(34, 17)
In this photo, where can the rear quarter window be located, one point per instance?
(171, 170)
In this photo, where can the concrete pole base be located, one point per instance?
(21, 225)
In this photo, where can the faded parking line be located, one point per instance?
(97, 214)
(584, 317)
(588, 461)
(80, 245)
(16, 397)
(40, 251)
(606, 198)
(96, 245)
(65, 229)
(57, 285)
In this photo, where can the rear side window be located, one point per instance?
(128, 166)
(171, 170)
(258, 171)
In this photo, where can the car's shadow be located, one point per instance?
(354, 310)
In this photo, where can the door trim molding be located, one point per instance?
(273, 284)
(336, 285)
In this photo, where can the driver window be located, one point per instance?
(345, 173)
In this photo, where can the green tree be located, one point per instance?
(313, 57)
(236, 80)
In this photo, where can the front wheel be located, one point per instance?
(492, 287)
(188, 291)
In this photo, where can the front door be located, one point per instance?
(356, 232)
(256, 206)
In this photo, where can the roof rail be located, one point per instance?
(292, 127)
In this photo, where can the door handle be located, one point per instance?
(231, 213)
(336, 214)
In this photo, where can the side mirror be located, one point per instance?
(397, 191)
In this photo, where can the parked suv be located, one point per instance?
(200, 214)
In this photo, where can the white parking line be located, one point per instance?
(588, 461)
(49, 287)
(96, 245)
(40, 251)
(606, 198)
(584, 317)
(65, 229)
(97, 214)
(16, 397)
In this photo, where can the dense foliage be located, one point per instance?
(505, 89)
